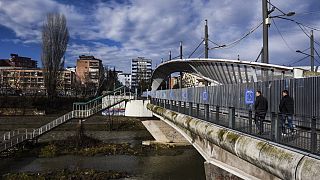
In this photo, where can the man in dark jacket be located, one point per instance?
(286, 108)
(261, 108)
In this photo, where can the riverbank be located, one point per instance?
(108, 147)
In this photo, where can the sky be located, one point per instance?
(116, 31)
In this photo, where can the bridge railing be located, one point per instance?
(86, 109)
(232, 106)
(304, 136)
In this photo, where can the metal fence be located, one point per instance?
(230, 106)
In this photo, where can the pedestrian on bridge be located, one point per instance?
(286, 108)
(261, 108)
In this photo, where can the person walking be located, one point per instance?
(261, 108)
(286, 108)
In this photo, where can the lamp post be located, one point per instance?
(266, 24)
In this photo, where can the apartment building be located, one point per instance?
(141, 69)
(31, 81)
(89, 70)
(18, 61)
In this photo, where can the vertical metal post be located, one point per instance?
(206, 37)
(277, 129)
(217, 113)
(181, 74)
(312, 51)
(273, 126)
(171, 102)
(250, 122)
(184, 108)
(198, 110)
(190, 109)
(206, 112)
(179, 106)
(232, 117)
(313, 135)
(265, 54)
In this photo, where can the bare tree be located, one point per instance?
(55, 37)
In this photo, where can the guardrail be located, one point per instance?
(80, 110)
(305, 135)
(231, 105)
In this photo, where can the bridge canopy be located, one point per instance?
(223, 71)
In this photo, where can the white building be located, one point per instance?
(125, 79)
(141, 70)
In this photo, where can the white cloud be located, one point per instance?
(152, 28)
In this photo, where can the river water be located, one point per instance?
(182, 163)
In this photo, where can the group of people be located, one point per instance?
(286, 108)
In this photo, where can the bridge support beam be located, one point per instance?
(215, 172)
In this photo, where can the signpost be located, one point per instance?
(249, 96)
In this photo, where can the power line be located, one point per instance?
(281, 35)
(214, 43)
(299, 60)
(304, 31)
(276, 8)
(196, 49)
(236, 42)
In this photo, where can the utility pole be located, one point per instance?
(312, 51)
(169, 82)
(206, 37)
(180, 82)
(265, 53)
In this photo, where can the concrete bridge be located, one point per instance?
(218, 120)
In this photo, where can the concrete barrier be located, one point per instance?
(282, 163)
(137, 108)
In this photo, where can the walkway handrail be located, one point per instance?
(299, 132)
(99, 97)
(80, 110)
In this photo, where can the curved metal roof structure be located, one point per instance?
(222, 71)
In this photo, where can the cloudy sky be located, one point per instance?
(118, 30)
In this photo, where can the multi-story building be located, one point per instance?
(22, 80)
(89, 70)
(125, 79)
(66, 82)
(141, 69)
(31, 81)
(18, 61)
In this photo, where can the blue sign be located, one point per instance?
(205, 96)
(184, 95)
(171, 94)
(249, 97)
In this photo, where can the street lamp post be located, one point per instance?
(266, 24)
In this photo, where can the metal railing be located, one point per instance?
(80, 110)
(227, 105)
(304, 136)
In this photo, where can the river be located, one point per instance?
(174, 163)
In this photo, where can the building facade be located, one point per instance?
(141, 70)
(125, 79)
(89, 71)
(18, 61)
(15, 81)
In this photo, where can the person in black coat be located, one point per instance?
(261, 108)
(286, 108)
